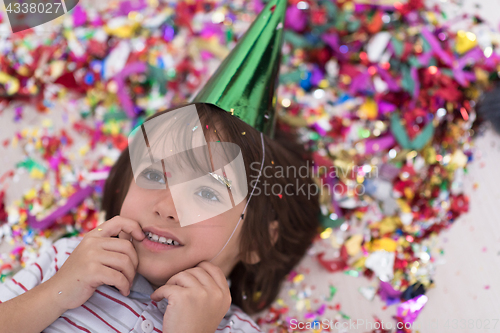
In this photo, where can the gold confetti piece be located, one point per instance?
(326, 233)
(298, 278)
(385, 243)
(465, 41)
(243, 133)
(369, 110)
(223, 180)
(37, 174)
(30, 195)
(99, 229)
(353, 244)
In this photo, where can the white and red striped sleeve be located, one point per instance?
(236, 320)
(43, 268)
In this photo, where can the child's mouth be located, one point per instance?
(161, 240)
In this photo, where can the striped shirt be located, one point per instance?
(107, 310)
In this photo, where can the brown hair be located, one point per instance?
(253, 286)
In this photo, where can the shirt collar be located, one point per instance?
(141, 285)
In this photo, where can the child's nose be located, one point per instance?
(165, 207)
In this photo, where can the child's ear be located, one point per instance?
(273, 232)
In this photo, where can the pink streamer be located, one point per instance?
(385, 107)
(123, 97)
(436, 47)
(410, 309)
(379, 144)
(391, 83)
(73, 201)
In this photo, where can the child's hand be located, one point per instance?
(198, 298)
(87, 267)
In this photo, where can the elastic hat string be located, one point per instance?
(244, 209)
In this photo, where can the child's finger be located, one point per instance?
(184, 279)
(112, 277)
(114, 226)
(202, 275)
(120, 262)
(124, 235)
(215, 272)
(122, 246)
(168, 292)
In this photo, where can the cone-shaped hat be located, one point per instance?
(245, 82)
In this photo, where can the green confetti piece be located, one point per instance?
(333, 291)
(291, 77)
(352, 273)
(398, 46)
(413, 62)
(70, 234)
(353, 26)
(327, 222)
(31, 164)
(158, 75)
(447, 72)
(341, 20)
(320, 29)
(171, 73)
(296, 40)
(229, 35)
(407, 83)
(426, 47)
(314, 136)
(364, 133)
(115, 115)
(424, 137)
(344, 315)
(331, 9)
(399, 132)
(86, 113)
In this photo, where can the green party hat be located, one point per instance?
(245, 82)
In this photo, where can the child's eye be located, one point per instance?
(153, 175)
(208, 194)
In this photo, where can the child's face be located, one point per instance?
(201, 241)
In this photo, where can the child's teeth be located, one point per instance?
(161, 239)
